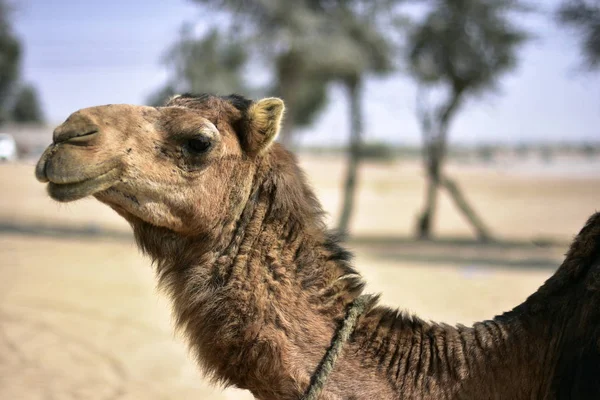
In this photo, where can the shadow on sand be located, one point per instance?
(62, 231)
(461, 252)
(464, 252)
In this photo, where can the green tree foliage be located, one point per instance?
(466, 44)
(26, 107)
(460, 49)
(161, 96)
(275, 37)
(18, 102)
(583, 16)
(213, 63)
(10, 54)
(305, 94)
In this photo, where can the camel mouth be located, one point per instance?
(77, 138)
(66, 192)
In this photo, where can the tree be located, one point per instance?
(305, 94)
(583, 16)
(18, 102)
(258, 30)
(10, 56)
(213, 64)
(26, 107)
(162, 95)
(362, 49)
(460, 49)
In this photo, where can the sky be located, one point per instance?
(84, 53)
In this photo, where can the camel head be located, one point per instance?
(184, 166)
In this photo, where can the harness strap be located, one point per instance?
(325, 367)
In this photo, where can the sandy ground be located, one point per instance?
(80, 317)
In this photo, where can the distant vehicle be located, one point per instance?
(8, 147)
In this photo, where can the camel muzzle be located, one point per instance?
(71, 165)
(68, 179)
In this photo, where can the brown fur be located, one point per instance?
(259, 286)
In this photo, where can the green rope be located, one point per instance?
(325, 367)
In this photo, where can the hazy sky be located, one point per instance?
(83, 53)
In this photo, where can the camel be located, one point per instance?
(260, 287)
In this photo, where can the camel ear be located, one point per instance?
(263, 123)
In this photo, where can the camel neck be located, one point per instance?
(266, 296)
(431, 361)
(269, 293)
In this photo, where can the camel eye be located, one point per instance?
(198, 145)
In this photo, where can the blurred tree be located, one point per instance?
(460, 49)
(354, 30)
(161, 96)
(26, 107)
(584, 16)
(309, 46)
(216, 63)
(305, 94)
(212, 64)
(10, 54)
(276, 37)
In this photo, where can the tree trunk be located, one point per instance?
(432, 168)
(482, 232)
(435, 129)
(354, 98)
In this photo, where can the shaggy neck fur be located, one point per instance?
(260, 302)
